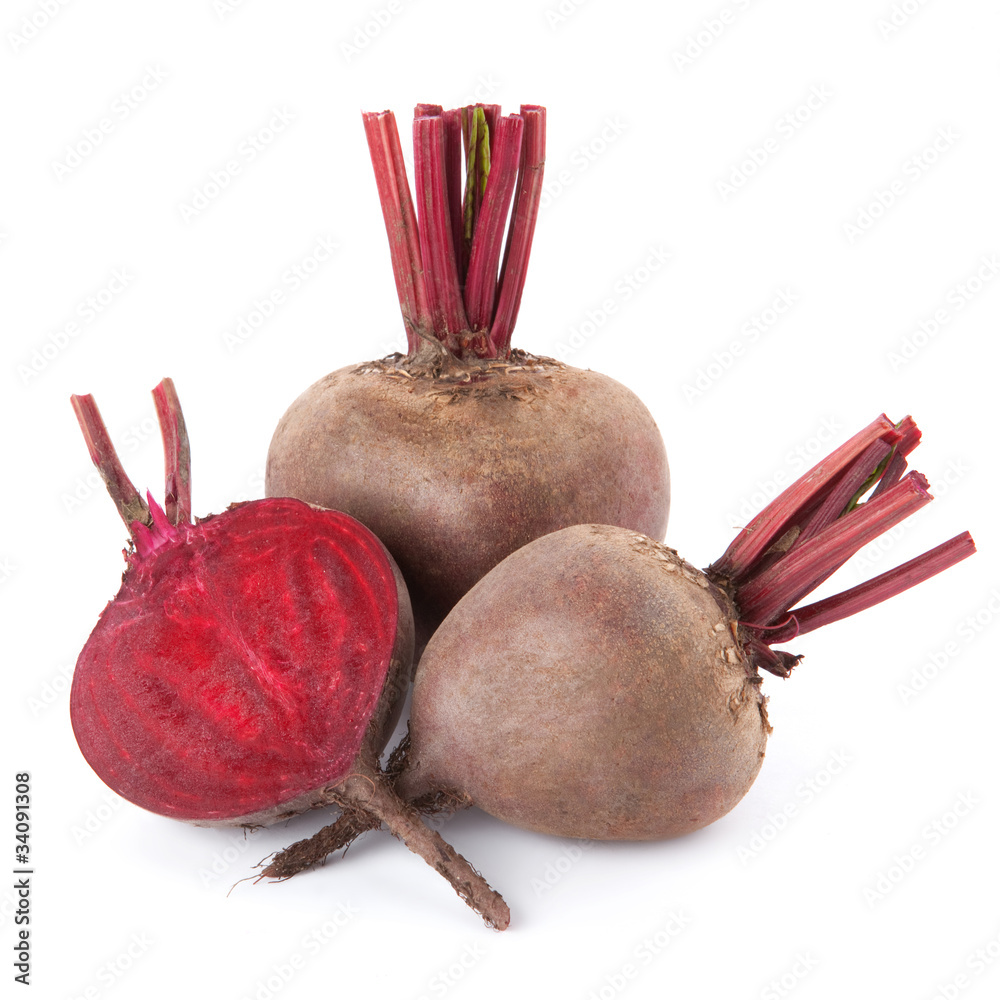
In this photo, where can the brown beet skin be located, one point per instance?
(589, 686)
(455, 465)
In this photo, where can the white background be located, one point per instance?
(127, 904)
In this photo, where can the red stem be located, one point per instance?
(176, 453)
(779, 515)
(437, 249)
(849, 483)
(126, 497)
(878, 589)
(481, 280)
(522, 227)
(453, 179)
(400, 223)
(770, 594)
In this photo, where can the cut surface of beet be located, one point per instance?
(240, 663)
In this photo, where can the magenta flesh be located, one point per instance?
(253, 663)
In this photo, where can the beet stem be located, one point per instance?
(773, 592)
(779, 515)
(522, 228)
(176, 453)
(453, 180)
(484, 257)
(437, 250)
(844, 495)
(127, 500)
(878, 589)
(400, 223)
(370, 792)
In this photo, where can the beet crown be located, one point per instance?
(454, 289)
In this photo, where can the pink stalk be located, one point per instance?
(769, 595)
(846, 487)
(128, 502)
(437, 250)
(400, 223)
(878, 589)
(453, 180)
(522, 227)
(176, 453)
(481, 279)
(779, 515)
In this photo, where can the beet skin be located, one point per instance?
(619, 708)
(456, 464)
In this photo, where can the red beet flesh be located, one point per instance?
(253, 663)
(239, 665)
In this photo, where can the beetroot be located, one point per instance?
(253, 663)
(463, 450)
(596, 685)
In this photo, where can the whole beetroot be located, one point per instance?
(253, 663)
(596, 685)
(463, 450)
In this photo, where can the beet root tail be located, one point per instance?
(373, 794)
